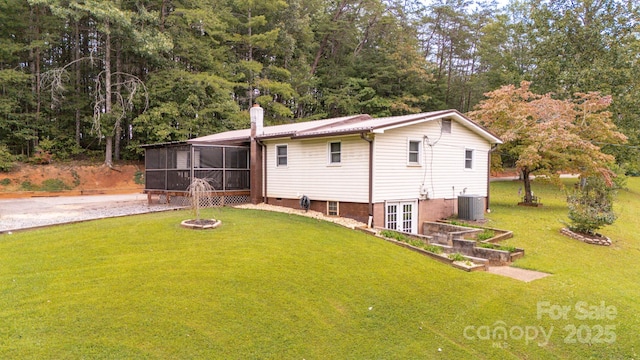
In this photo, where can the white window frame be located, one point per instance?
(331, 153)
(337, 211)
(409, 152)
(467, 159)
(404, 218)
(278, 156)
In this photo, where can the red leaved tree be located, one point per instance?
(548, 135)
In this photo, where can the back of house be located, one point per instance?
(393, 172)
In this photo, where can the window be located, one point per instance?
(468, 159)
(333, 208)
(415, 147)
(236, 158)
(281, 155)
(446, 126)
(211, 157)
(335, 152)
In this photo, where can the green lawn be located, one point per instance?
(275, 286)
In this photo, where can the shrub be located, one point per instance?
(394, 235)
(415, 242)
(28, 186)
(76, 178)
(138, 177)
(433, 248)
(457, 257)
(61, 148)
(41, 157)
(7, 160)
(5, 182)
(54, 185)
(591, 206)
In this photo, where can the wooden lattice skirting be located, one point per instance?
(181, 199)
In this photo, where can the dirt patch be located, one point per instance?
(70, 179)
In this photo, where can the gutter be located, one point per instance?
(365, 137)
(306, 135)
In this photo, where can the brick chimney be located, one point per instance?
(255, 163)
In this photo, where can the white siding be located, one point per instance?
(309, 173)
(443, 170)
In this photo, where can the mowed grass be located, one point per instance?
(276, 286)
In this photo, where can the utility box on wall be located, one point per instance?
(470, 207)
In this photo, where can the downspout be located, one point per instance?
(493, 148)
(366, 138)
(192, 173)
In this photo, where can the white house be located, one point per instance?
(395, 172)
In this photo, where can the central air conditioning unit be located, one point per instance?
(470, 207)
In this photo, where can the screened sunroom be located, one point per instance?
(170, 167)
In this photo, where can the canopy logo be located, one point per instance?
(500, 333)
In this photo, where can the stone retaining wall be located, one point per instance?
(600, 240)
(444, 234)
(470, 248)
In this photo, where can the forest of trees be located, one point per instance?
(97, 78)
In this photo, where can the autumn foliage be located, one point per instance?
(548, 135)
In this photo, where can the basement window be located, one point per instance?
(333, 208)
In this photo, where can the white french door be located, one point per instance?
(402, 216)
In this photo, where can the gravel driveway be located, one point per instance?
(25, 213)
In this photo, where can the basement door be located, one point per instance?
(402, 216)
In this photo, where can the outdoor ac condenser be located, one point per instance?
(470, 207)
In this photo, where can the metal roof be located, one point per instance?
(346, 125)
(164, 144)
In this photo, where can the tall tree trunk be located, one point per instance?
(118, 124)
(449, 73)
(34, 55)
(250, 58)
(440, 58)
(325, 38)
(108, 157)
(528, 196)
(76, 58)
(467, 103)
(163, 14)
